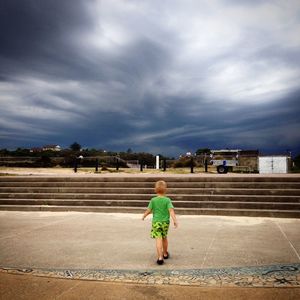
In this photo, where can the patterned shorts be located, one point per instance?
(159, 229)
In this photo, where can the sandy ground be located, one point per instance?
(91, 171)
(126, 172)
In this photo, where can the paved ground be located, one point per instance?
(121, 241)
(206, 251)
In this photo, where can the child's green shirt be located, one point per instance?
(160, 206)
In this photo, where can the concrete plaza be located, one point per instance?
(121, 241)
(102, 241)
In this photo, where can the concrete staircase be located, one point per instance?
(211, 195)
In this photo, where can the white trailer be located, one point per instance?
(224, 159)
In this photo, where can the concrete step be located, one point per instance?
(171, 184)
(225, 195)
(147, 197)
(213, 178)
(176, 191)
(54, 208)
(143, 204)
(184, 211)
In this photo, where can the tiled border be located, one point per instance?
(287, 275)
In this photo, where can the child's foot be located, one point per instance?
(160, 261)
(166, 256)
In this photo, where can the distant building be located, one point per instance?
(51, 148)
(36, 150)
(187, 154)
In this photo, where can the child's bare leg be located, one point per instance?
(159, 248)
(165, 246)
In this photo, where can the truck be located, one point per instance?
(224, 160)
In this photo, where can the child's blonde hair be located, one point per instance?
(160, 187)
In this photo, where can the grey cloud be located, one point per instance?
(153, 76)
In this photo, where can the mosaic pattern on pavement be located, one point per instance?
(287, 275)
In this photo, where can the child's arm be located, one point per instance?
(146, 213)
(172, 213)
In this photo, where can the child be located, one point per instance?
(161, 207)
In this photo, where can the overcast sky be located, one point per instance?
(157, 76)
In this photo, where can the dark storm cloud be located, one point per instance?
(162, 77)
(29, 27)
